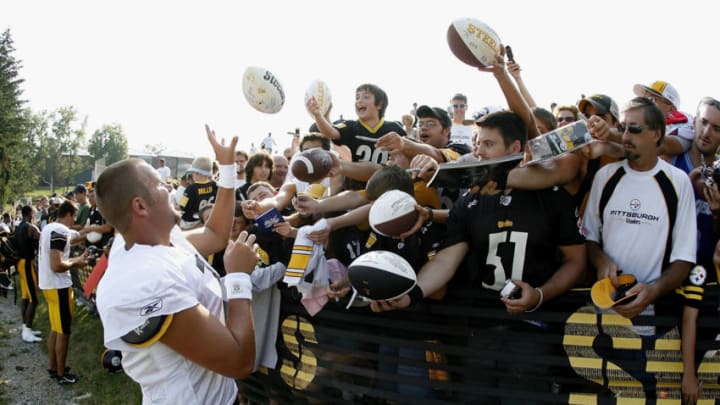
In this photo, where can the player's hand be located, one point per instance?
(241, 255)
(391, 142)
(690, 388)
(225, 155)
(642, 299)
(426, 165)
(313, 107)
(423, 216)
(529, 299)
(390, 305)
(305, 204)
(82, 260)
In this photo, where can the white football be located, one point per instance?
(393, 213)
(93, 237)
(381, 275)
(262, 90)
(321, 92)
(473, 42)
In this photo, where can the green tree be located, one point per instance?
(59, 145)
(14, 168)
(109, 142)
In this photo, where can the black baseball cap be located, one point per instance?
(602, 103)
(435, 112)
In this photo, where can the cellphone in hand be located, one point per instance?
(509, 54)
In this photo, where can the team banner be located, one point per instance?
(468, 349)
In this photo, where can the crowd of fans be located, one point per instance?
(641, 199)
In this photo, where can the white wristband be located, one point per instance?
(226, 176)
(237, 286)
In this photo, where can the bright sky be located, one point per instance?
(162, 69)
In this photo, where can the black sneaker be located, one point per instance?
(53, 374)
(67, 379)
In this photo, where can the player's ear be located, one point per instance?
(139, 206)
(516, 147)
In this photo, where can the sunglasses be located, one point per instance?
(632, 128)
(427, 124)
(565, 119)
(461, 105)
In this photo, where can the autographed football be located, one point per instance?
(393, 213)
(381, 275)
(262, 90)
(321, 92)
(473, 42)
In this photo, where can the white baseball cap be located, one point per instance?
(662, 89)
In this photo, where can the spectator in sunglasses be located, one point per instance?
(566, 114)
(461, 131)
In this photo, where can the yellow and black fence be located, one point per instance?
(468, 349)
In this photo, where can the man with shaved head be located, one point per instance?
(184, 333)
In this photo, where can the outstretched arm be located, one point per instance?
(214, 236)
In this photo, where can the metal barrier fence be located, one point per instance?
(467, 349)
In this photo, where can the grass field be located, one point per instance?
(84, 354)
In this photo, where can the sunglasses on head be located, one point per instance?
(632, 128)
(565, 119)
(461, 105)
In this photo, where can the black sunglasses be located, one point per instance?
(632, 128)
(461, 105)
(565, 119)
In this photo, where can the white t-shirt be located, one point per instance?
(635, 228)
(58, 236)
(164, 172)
(149, 281)
(461, 134)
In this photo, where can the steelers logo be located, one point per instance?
(698, 275)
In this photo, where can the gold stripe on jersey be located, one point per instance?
(374, 129)
(158, 335)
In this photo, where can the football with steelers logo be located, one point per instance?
(262, 90)
(473, 42)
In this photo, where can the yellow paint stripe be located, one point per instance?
(667, 344)
(591, 319)
(582, 399)
(618, 343)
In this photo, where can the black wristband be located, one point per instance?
(416, 295)
(430, 213)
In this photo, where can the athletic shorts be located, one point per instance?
(28, 279)
(61, 307)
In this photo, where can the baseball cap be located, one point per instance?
(435, 112)
(201, 165)
(605, 295)
(662, 89)
(80, 189)
(602, 103)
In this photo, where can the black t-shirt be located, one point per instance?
(364, 150)
(515, 239)
(197, 195)
(417, 249)
(27, 246)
